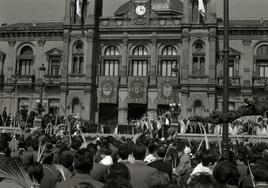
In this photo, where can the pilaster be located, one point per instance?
(124, 59)
(153, 73)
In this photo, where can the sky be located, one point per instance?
(12, 11)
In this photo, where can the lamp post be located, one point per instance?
(39, 103)
(225, 146)
(174, 108)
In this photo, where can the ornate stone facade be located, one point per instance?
(114, 69)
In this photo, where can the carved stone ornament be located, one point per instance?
(140, 21)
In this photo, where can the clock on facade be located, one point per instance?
(140, 10)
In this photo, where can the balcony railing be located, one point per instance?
(24, 79)
(52, 79)
(233, 81)
(260, 81)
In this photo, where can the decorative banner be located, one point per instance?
(137, 90)
(108, 90)
(166, 91)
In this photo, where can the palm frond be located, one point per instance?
(9, 169)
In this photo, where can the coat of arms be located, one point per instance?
(167, 90)
(107, 89)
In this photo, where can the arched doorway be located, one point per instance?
(76, 106)
(198, 108)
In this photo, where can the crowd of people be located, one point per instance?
(47, 161)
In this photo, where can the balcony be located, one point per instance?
(260, 81)
(233, 81)
(24, 79)
(52, 79)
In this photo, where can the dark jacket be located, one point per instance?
(79, 179)
(162, 166)
(139, 174)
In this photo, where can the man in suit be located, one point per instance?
(159, 163)
(139, 172)
(83, 163)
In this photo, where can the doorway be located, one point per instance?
(136, 111)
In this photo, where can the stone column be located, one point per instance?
(186, 14)
(185, 56)
(153, 73)
(122, 116)
(89, 59)
(39, 59)
(124, 62)
(212, 62)
(246, 66)
(12, 58)
(184, 103)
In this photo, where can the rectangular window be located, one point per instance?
(263, 68)
(199, 65)
(111, 67)
(139, 68)
(166, 67)
(25, 67)
(54, 66)
(78, 63)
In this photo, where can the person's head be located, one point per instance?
(83, 161)
(226, 173)
(124, 151)
(161, 151)
(76, 143)
(66, 159)
(117, 183)
(158, 179)
(260, 172)
(209, 159)
(35, 171)
(105, 151)
(118, 171)
(139, 152)
(152, 148)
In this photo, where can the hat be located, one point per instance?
(187, 150)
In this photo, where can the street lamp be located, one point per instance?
(39, 102)
(175, 110)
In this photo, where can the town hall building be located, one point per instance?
(149, 57)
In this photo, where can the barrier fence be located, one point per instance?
(211, 137)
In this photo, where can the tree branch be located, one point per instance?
(256, 106)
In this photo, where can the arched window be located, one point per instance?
(262, 61)
(25, 61)
(199, 60)
(168, 61)
(111, 61)
(78, 58)
(76, 106)
(198, 107)
(139, 62)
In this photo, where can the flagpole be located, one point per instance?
(225, 130)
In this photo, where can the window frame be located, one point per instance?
(139, 58)
(114, 60)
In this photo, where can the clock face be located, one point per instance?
(140, 10)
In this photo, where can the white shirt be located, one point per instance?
(200, 168)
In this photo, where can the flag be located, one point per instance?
(201, 8)
(78, 8)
